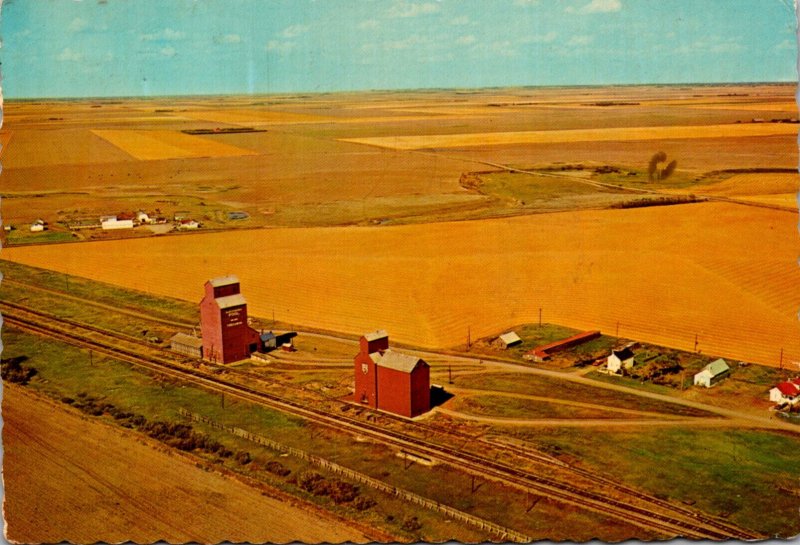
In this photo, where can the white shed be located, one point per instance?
(509, 339)
(712, 373)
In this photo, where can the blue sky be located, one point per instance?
(60, 48)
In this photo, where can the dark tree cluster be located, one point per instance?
(12, 370)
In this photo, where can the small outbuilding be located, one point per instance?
(113, 222)
(620, 360)
(507, 340)
(786, 393)
(38, 226)
(712, 373)
(187, 344)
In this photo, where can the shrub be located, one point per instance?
(277, 468)
(242, 457)
(342, 492)
(411, 525)
(362, 504)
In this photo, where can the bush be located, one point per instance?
(313, 482)
(12, 370)
(342, 492)
(277, 468)
(411, 525)
(362, 504)
(242, 457)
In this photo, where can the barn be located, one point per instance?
(508, 340)
(390, 381)
(712, 373)
(223, 321)
(187, 345)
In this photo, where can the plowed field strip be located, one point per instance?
(157, 144)
(577, 135)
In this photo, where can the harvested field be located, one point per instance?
(154, 145)
(577, 135)
(247, 117)
(726, 273)
(68, 478)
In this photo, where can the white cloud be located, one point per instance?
(597, 6)
(228, 39)
(78, 25)
(401, 8)
(406, 43)
(168, 51)
(577, 41)
(68, 55)
(466, 40)
(460, 21)
(166, 35)
(369, 24)
(293, 31)
(279, 47)
(540, 38)
(713, 44)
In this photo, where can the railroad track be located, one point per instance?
(655, 515)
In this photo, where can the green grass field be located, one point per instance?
(738, 475)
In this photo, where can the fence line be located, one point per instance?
(504, 533)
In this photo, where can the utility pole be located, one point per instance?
(450, 373)
(781, 362)
(695, 343)
(469, 338)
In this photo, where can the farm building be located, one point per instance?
(786, 393)
(188, 224)
(38, 226)
(620, 360)
(712, 373)
(223, 319)
(271, 340)
(187, 344)
(114, 222)
(507, 340)
(390, 381)
(143, 217)
(544, 352)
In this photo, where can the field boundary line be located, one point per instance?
(503, 532)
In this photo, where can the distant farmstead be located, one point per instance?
(712, 373)
(390, 381)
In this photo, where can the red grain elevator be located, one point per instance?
(223, 322)
(391, 381)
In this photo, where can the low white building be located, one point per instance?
(143, 217)
(712, 373)
(38, 225)
(786, 393)
(188, 224)
(111, 222)
(620, 360)
(509, 339)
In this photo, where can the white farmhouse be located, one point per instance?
(620, 360)
(38, 226)
(143, 217)
(712, 373)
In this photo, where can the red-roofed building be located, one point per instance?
(543, 353)
(223, 322)
(390, 381)
(786, 392)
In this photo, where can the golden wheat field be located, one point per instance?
(576, 135)
(161, 144)
(723, 272)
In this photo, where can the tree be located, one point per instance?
(654, 173)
